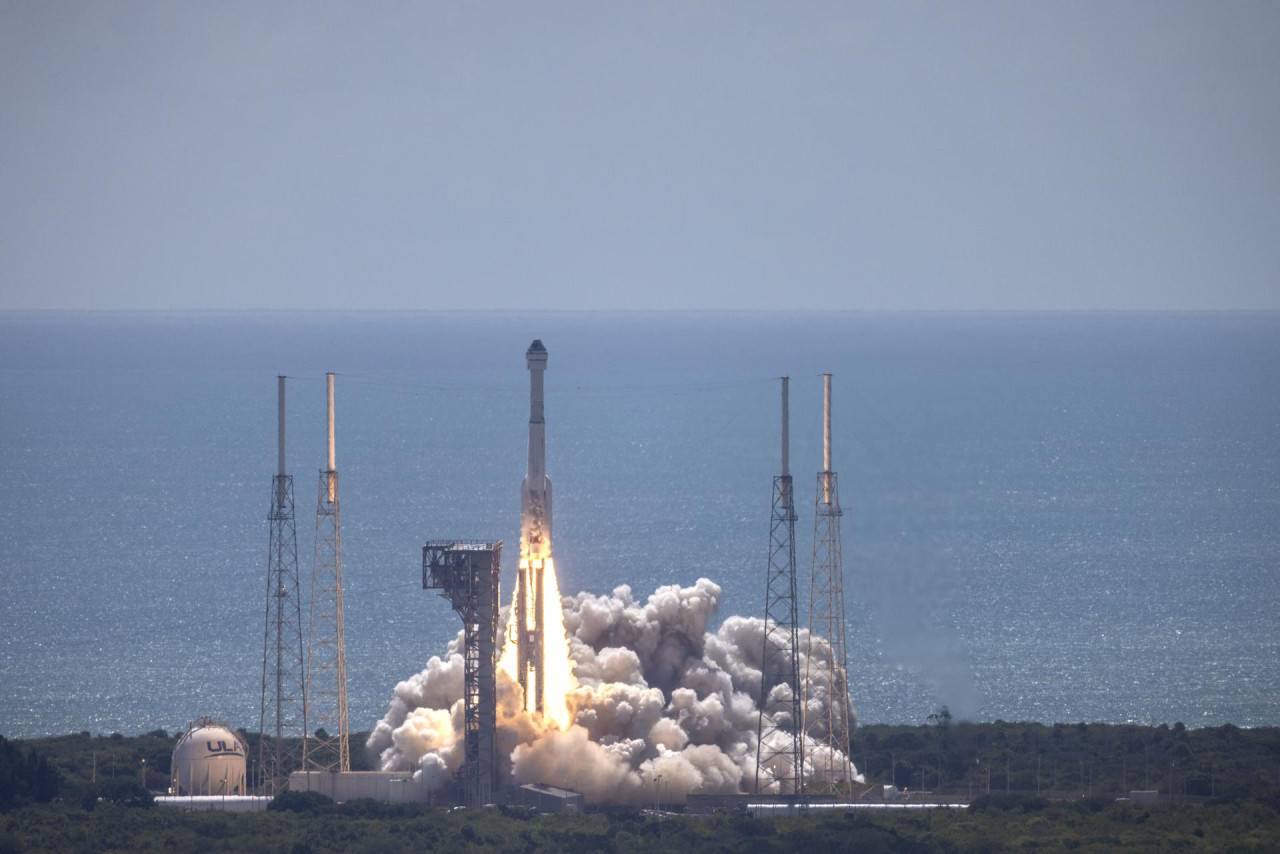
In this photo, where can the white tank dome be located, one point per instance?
(209, 759)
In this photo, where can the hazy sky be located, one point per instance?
(902, 155)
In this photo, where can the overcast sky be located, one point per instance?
(900, 155)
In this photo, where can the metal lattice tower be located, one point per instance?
(468, 573)
(326, 707)
(283, 721)
(830, 729)
(780, 738)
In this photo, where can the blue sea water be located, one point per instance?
(1053, 517)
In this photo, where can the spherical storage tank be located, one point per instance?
(209, 759)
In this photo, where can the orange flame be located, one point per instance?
(557, 667)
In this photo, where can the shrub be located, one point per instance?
(126, 792)
(1097, 803)
(25, 777)
(300, 802)
(1009, 803)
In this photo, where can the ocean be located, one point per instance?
(1050, 517)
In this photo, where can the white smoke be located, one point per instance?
(659, 699)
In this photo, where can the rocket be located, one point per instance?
(535, 538)
(535, 492)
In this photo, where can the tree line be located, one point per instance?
(1072, 760)
(85, 792)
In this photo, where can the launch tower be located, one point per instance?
(326, 746)
(535, 540)
(830, 729)
(283, 690)
(468, 574)
(780, 738)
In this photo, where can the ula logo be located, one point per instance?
(222, 747)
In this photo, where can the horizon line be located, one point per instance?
(642, 311)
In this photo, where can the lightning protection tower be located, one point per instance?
(829, 727)
(780, 738)
(326, 745)
(283, 720)
(468, 573)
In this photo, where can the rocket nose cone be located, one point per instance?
(536, 356)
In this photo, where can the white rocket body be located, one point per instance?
(535, 519)
(535, 491)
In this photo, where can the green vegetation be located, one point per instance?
(50, 802)
(25, 777)
(1073, 760)
(366, 826)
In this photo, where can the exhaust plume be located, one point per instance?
(658, 699)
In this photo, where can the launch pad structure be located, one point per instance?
(283, 720)
(326, 745)
(827, 618)
(780, 735)
(468, 575)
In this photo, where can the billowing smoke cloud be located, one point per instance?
(658, 698)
